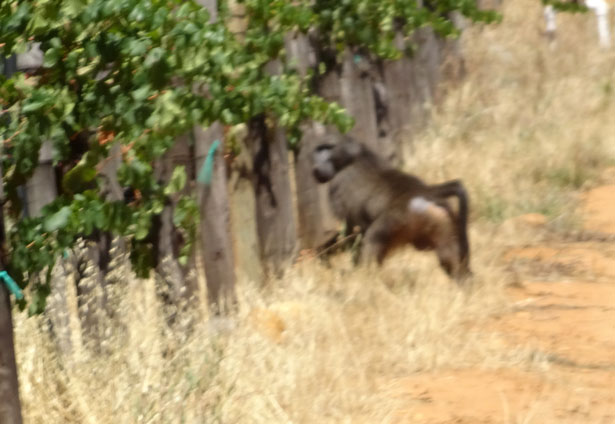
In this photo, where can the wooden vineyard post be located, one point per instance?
(10, 405)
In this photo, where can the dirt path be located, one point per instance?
(564, 311)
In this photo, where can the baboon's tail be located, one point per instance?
(456, 188)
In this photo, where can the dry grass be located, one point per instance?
(525, 131)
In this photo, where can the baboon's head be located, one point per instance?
(329, 159)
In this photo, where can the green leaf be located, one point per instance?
(137, 47)
(32, 106)
(83, 70)
(157, 207)
(141, 232)
(56, 42)
(38, 22)
(177, 182)
(78, 178)
(141, 93)
(227, 117)
(57, 220)
(154, 56)
(51, 57)
(143, 226)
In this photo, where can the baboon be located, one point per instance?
(393, 208)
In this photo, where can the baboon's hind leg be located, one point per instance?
(449, 255)
(440, 223)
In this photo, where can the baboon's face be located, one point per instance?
(323, 169)
(329, 159)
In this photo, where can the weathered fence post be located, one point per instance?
(214, 206)
(426, 63)
(357, 97)
(316, 223)
(10, 405)
(397, 78)
(274, 207)
(215, 226)
(180, 280)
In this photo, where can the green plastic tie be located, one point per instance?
(11, 284)
(207, 170)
